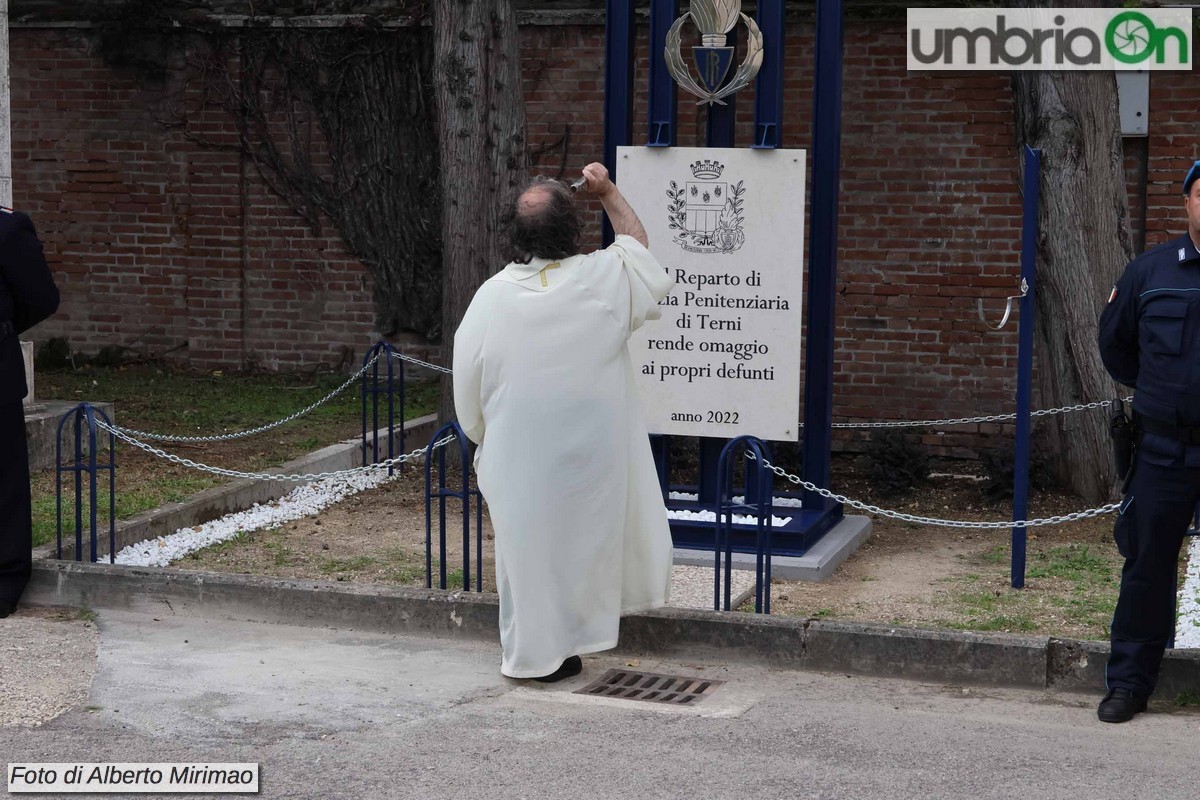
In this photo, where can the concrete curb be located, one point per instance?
(237, 496)
(782, 642)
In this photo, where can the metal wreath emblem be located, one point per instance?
(715, 18)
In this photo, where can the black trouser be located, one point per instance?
(1154, 519)
(16, 530)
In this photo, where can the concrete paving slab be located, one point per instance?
(351, 714)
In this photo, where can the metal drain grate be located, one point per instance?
(629, 685)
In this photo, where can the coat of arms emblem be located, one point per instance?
(707, 212)
(715, 19)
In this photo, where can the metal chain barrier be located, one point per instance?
(265, 476)
(167, 437)
(421, 363)
(944, 523)
(127, 435)
(870, 509)
(936, 423)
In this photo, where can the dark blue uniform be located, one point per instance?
(1150, 340)
(27, 296)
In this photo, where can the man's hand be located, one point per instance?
(598, 182)
(620, 213)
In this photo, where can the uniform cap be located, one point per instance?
(1192, 175)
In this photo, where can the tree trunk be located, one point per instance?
(1083, 245)
(481, 130)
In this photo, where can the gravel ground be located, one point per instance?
(692, 587)
(47, 660)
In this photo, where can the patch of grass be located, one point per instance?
(404, 566)
(131, 500)
(237, 540)
(998, 622)
(86, 614)
(992, 611)
(280, 553)
(985, 601)
(164, 400)
(330, 566)
(1186, 698)
(405, 574)
(1074, 562)
(996, 555)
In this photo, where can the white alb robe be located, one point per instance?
(543, 382)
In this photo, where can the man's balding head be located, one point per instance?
(542, 222)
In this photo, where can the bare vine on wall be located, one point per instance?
(338, 121)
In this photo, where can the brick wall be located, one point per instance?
(183, 249)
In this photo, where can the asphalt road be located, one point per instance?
(343, 714)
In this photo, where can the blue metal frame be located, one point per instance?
(768, 89)
(721, 132)
(393, 386)
(619, 34)
(818, 515)
(758, 501)
(464, 495)
(80, 413)
(663, 97)
(1029, 235)
(822, 258)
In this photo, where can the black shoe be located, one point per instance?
(1119, 705)
(569, 669)
(7, 608)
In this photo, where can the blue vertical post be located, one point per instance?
(1029, 233)
(664, 111)
(91, 468)
(618, 87)
(78, 486)
(768, 89)
(720, 133)
(663, 99)
(822, 264)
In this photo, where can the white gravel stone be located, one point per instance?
(711, 516)
(692, 586)
(1187, 624)
(778, 502)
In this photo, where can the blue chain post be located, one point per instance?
(464, 496)
(89, 463)
(757, 500)
(392, 387)
(1029, 234)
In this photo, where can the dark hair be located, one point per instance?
(550, 231)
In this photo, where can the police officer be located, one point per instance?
(1150, 340)
(27, 296)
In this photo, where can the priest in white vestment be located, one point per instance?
(544, 384)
